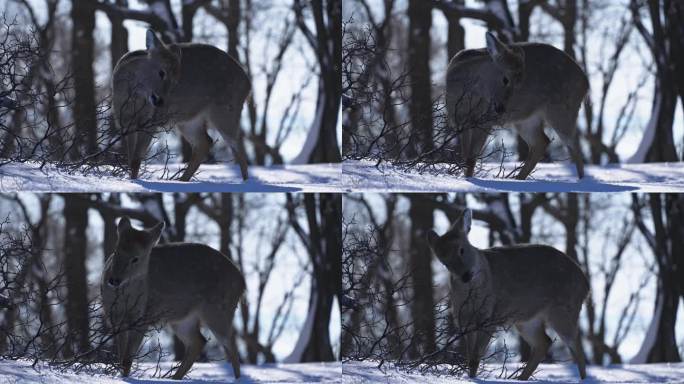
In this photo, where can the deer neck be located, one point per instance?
(481, 271)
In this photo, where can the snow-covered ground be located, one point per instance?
(367, 372)
(210, 178)
(360, 176)
(20, 372)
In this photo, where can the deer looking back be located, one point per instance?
(530, 286)
(524, 84)
(183, 285)
(191, 86)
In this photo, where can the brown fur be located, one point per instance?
(529, 286)
(183, 285)
(189, 86)
(524, 84)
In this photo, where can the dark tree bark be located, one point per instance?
(119, 35)
(665, 347)
(420, 106)
(324, 244)
(75, 246)
(233, 24)
(456, 34)
(82, 58)
(663, 241)
(420, 265)
(675, 31)
(327, 43)
(661, 146)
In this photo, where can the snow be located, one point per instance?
(21, 372)
(210, 178)
(363, 175)
(367, 372)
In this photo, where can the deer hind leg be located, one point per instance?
(226, 119)
(533, 333)
(220, 322)
(188, 331)
(195, 133)
(532, 131)
(564, 322)
(563, 119)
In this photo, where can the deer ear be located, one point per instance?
(156, 231)
(467, 220)
(152, 41)
(124, 224)
(432, 238)
(495, 47)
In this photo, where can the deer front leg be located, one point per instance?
(121, 340)
(472, 355)
(200, 143)
(134, 339)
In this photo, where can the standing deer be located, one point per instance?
(525, 84)
(183, 285)
(189, 85)
(529, 286)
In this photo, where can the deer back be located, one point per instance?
(183, 277)
(528, 279)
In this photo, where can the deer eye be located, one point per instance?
(462, 250)
(162, 74)
(134, 260)
(505, 80)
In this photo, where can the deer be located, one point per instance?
(523, 84)
(529, 286)
(189, 86)
(183, 285)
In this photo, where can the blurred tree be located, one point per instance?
(667, 245)
(82, 58)
(75, 255)
(321, 144)
(323, 241)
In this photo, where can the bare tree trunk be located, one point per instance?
(324, 244)
(327, 271)
(456, 36)
(327, 43)
(660, 344)
(675, 30)
(420, 264)
(233, 24)
(82, 58)
(119, 35)
(665, 347)
(75, 247)
(420, 106)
